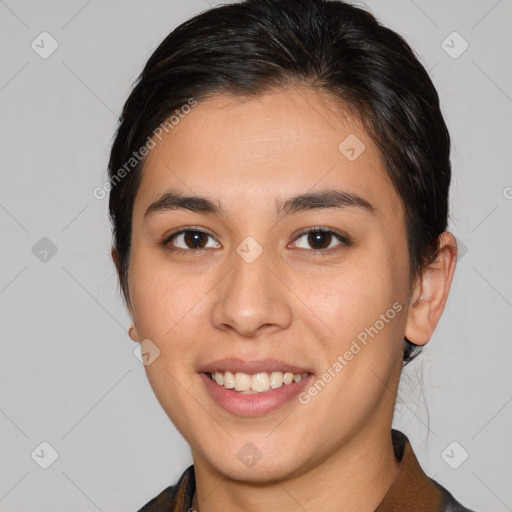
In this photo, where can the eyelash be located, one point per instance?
(344, 240)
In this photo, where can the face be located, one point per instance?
(292, 264)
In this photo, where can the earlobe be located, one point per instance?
(134, 335)
(430, 292)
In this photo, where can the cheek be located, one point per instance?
(364, 309)
(169, 310)
(363, 306)
(164, 295)
(354, 296)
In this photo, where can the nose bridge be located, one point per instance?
(251, 296)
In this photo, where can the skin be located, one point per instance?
(293, 303)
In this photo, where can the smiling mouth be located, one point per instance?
(261, 382)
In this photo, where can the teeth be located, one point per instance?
(256, 383)
(260, 382)
(288, 378)
(276, 380)
(229, 380)
(242, 381)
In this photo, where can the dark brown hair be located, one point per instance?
(250, 47)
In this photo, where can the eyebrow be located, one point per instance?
(174, 200)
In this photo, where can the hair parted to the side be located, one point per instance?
(254, 46)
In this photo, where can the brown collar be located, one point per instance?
(412, 488)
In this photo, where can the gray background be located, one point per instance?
(68, 372)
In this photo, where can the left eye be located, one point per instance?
(321, 239)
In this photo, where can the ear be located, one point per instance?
(134, 335)
(132, 331)
(430, 292)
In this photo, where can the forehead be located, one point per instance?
(284, 142)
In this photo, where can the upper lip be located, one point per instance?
(234, 365)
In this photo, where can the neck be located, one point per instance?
(356, 477)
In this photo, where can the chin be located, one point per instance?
(250, 464)
(260, 473)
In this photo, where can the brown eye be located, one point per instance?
(195, 239)
(189, 240)
(320, 239)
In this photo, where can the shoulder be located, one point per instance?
(162, 501)
(412, 488)
(176, 497)
(449, 503)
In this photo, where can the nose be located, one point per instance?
(252, 298)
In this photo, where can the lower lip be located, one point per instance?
(256, 404)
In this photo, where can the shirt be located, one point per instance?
(412, 490)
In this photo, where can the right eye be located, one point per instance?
(191, 240)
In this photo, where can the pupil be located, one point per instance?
(194, 237)
(319, 238)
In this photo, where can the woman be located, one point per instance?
(279, 196)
